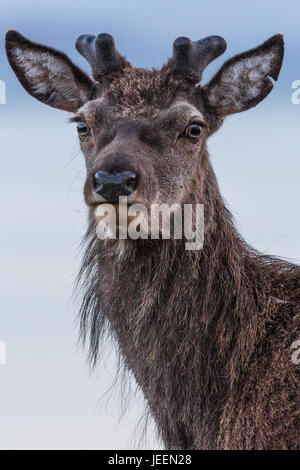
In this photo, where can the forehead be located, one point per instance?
(139, 93)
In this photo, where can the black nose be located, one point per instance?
(112, 185)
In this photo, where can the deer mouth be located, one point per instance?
(114, 219)
(93, 205)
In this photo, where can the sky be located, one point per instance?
(48, 398)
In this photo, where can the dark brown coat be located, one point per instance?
(208, 333)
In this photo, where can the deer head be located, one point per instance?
(143, 132)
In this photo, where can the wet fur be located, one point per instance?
(207, 334)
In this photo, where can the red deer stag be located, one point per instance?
(207, 333)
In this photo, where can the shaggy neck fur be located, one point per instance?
(187, 323)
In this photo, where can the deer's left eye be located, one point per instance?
(82, 129)
(193, 130)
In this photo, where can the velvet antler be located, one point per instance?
(191, 57)
(101, 54)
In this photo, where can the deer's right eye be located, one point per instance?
(82, 130)
(193, 130)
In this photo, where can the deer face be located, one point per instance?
(142, 139)
(143, 133)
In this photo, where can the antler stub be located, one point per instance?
(101, 54)
(191, 57)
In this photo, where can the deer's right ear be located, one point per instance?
(47, 74)
(244, 81)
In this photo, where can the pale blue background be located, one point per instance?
(47, 398)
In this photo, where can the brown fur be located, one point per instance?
(207, 334)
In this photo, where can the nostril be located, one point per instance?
(115, 184)
(101, 177)
(130, 180)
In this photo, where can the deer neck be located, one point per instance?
(176, 316)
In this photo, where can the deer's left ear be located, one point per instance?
(47, 74)
(243, 81)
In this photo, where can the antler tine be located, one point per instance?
(191, 57)
(101, 54)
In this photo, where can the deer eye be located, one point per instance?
(82, 129)
(193, 130)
